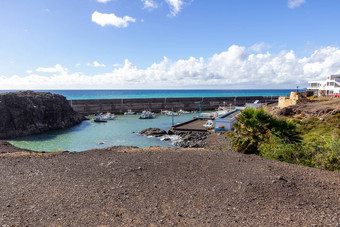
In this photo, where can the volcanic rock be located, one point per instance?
(157, 132)
(27, 113)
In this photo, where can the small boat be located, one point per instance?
(183, 111)
(147, 115)
(171, 113)
(129, 112)
(99, 119)
(164, 111)
(107, 116)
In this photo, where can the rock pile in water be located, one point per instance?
(27, 113)
(189, 139)
(156, 132)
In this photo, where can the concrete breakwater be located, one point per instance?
(119, 106)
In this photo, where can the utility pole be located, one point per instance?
(172, 116)
(200, 106)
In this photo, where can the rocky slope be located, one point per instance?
(26, 113)
(317, 108)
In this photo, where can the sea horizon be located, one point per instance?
(161, 93)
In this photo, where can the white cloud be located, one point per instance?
(45, 10)
(103, 1)
(232, 68)
(56, 68)
(104, 19)
(295, 3)
(258, 47)
(97, 64)
(149, 4)
(175, 6)
(29, 71)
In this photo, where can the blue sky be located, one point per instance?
(102, 44)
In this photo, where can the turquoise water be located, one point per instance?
(124, 94)
(89, 134)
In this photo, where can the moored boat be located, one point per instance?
(129, 112)
(99, 119)
(147, 115)
(183, 112)
(171, 113)
(107, 116)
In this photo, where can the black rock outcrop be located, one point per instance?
(190, 139)
(27, 113)
(157, 132)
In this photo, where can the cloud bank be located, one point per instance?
(232, 68)
(104, 19)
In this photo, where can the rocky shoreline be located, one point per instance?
(27, 113)
(188, 139)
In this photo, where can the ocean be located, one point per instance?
(123, 130)
(126, 94)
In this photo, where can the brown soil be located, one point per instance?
(122, 186)
(321, 108)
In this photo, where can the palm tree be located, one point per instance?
(251, 128)
(286, 130)
(255, 126)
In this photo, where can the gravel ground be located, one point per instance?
(125, 186)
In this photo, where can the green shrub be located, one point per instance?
(256, 125)
(326, 154)
(322, 154)
(258, 132)
(312, 127)
(276, 149)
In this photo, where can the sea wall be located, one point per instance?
(119, 106)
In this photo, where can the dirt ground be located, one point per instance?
(125, 186)
(322, 108)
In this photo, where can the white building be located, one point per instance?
(326, 87)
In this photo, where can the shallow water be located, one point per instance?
(90, 135)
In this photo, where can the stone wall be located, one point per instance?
(119, 106)
(293, 99)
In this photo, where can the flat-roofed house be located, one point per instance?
(326, 87)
